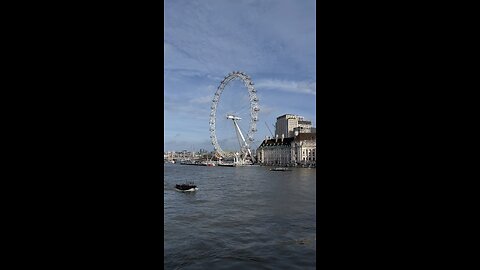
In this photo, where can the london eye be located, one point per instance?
(239, 112)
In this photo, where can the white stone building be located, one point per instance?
(295, 151)
(275, 151)
(304, 148)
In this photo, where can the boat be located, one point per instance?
(280, 169)
(208, 163)
(186, 187)
(188, 162)
(226, 164)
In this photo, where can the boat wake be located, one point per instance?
(186, 190)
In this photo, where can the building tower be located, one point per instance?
(289, 123)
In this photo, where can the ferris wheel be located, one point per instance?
(244, 152)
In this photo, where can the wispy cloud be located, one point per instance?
(267, 110)
(202, 100)
(272, 41)
(220, 36)
(301, 87)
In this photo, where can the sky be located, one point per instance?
(273, 41)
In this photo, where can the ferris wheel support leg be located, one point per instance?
(241, 139)
(244, 147)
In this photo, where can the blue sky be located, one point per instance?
(274, 42)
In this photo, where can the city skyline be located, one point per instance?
(272, 41)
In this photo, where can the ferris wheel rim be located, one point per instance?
(254, 109)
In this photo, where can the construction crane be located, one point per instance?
(268, 128)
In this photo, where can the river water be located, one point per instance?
(239, 218)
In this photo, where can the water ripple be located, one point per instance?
(240, 218)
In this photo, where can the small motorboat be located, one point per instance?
(208, 163)
(281, 169)
(186, 187)
(226, 164)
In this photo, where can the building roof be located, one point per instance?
(285, 115)
(271, 142)
(306, 136)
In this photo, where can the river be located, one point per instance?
(240, 218)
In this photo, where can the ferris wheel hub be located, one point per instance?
(233, 117)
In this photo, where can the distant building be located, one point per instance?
(289, 123)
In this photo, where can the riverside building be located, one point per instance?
(287, 124)
(304, 148)
(296, 149)
(275, 151)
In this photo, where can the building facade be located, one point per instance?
(299, 150)
(287, 124)
(304, 148)
(275, 151)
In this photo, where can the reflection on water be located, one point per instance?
(240, 218)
